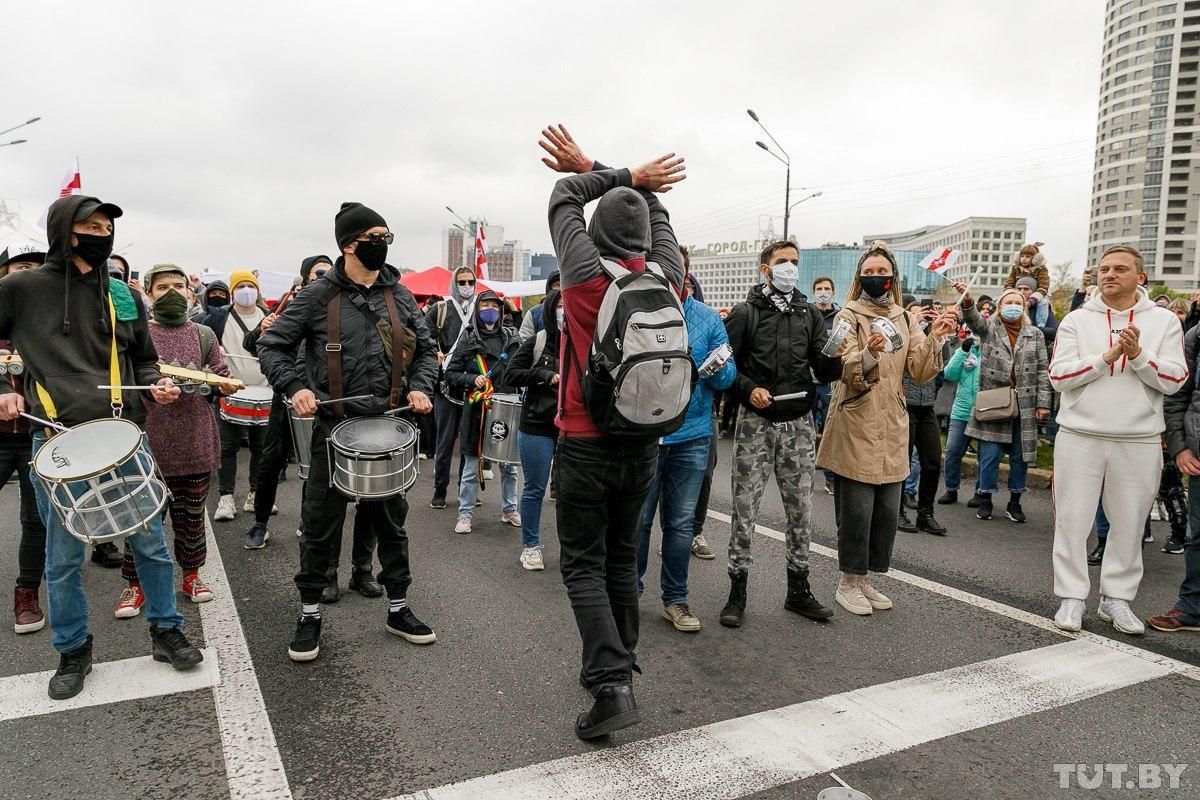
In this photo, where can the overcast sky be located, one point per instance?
(231, 132)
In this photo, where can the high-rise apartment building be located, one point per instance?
(987, 245)
(1145, 189)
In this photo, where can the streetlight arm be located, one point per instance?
(774, 155)
(810, 197)
(22, 125)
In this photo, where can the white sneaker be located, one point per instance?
(531, 558)
(1155, 514)
(248, 506)
(1120, 615)
(850, 597)
(226, 510)
(1070, 615)
(511, 518)
(463, 525)
(878, 600)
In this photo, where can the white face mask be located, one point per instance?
(783, 277)
(558, 314)
(823, 298)
(466, 292)
(245, 297)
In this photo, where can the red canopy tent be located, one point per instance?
(436, 281)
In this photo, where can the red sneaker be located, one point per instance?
(195, 588)
(1174, 620)
(26, 611)
(131, 603)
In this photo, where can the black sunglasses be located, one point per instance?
(376, 238)
(466, 283)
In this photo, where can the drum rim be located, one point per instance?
(104, 470)
(372, 454)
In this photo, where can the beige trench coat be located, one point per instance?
(866, 427)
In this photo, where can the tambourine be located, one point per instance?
(836, 336)
(715, 361)
(887, 330)
(11, 363)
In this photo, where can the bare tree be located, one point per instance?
(1061, 277)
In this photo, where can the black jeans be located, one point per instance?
(15, 455)
(277, 445)
(602, 486)
(866, 515)
(923, 434)
(231, 442)
(324, 515)
(445, 416)
(705, 489)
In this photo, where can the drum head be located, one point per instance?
(507, 399)
(92, 448)
(257, 394)
(373, 435)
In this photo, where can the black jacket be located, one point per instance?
(779, 352)
(365, 365)
(58, 319)
(462, 370)
(1182, 409)
(541, 397)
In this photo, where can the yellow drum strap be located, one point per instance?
(114, 375)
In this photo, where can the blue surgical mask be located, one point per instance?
(1011, 313)
(489, 316)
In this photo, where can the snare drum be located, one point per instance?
(250, 406)
(101, 479)
(500, 425)
(302, 431)
(371, 458)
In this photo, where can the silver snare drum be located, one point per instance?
(250, 406)
(101, 479)
(371, 458)
(500, 425)
(302, 431)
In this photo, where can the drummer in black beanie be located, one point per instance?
(357, 362)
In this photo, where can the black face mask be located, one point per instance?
(217, 301)
(94, 250)
(875, 285)
(371, 255)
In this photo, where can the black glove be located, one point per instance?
(967, 344)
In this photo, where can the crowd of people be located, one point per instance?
(625, 380)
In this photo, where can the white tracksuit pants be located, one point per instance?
(1126, 475)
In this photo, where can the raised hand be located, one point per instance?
(944, 325)
(565, 154)
(660, 174)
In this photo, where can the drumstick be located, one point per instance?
(347, 399)
(792, 396)
(45, 422)
(131, 388)
(243, 358)
(400, 410)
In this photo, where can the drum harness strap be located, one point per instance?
(333, 346)
(114, 374)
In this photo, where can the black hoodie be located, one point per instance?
(462, 370)
(38, 305)
(535, 371)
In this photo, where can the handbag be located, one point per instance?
(996, 405)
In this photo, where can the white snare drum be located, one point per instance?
(500, 425)
(716, 361)
(302, 431)
(371, 458)
(101, 479)
(250, 406)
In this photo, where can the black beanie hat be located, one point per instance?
(307, 264)
(351, 220)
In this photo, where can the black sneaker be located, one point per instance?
(905, 524)
(985, 507)
(256, 537)
(1013, 510)
(975, 500)
(949, 498)
(614, 709)
(107, 555)
(171, 646)
(1173, 546)
(438, 501)
(404, 623)
(362, 582)
(1095, 557)
(73, 668)
(306, 644)
(331, 593)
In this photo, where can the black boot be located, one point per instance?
(949, 498)
(975, 500)
(909, 501)
(1013, 511)
(362, 582)
(1097, 555)
(903, 522)
(800, 598)
(614, 709)
(73, 667)
(171, 646)
(926, 522)
(107, 555)
(734, 611)
(331, 593)
(985, 507)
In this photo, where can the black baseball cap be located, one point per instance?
(92, 205)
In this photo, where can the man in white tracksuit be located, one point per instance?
(1114, 360)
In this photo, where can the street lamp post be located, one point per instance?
(15, 127)
(14, 141)
(786, 160)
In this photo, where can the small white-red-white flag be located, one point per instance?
(481, 262)
(940, 261)
(73, 183)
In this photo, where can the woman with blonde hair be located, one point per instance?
(865, 444)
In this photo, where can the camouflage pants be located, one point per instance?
(760, 448)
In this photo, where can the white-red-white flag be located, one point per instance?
(481, 262)
(71, 184)
(940, 261)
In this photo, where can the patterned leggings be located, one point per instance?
(188, 495)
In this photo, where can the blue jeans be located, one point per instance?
(989, 463)
(914, 473)
(66, 601)
(1189, 590)
(675, 489)
(468, 485)
(956, 447)
(537, 453)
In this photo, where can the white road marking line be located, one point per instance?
(738, 757)
(1028, 617)
(253, 766)
(110, 682)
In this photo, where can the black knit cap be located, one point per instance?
(351, 220)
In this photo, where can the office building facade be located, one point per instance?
(987, 245)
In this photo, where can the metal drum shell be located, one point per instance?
(302, 431)
(250, 406)
(499, 436)
(377, 474)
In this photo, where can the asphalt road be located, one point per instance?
(946, 696)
